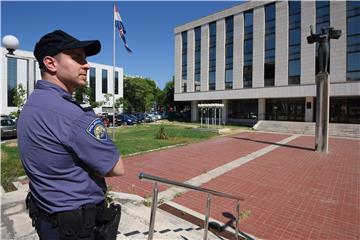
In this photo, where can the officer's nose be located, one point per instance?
(86, 65)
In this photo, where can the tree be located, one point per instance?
(84, 95)
(19, 99)
(140, 94)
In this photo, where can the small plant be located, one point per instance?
(161, 133)
(109, 198)
(178, 194)
(244, 214)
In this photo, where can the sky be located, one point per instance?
(149, 25)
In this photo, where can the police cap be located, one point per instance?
(57, 41)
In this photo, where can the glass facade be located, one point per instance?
(11, 81)
(243, 109)
(353, 41)
(104, 81)
(116, 82)
(248, 49)
(294, 42)
(269, 73)
(197, 72)
(322, 21)
(184, 60)
(285, 109)
(345, 110)
(92, 84)
(212, 55)
(229, 42)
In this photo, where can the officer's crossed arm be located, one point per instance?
(117, 170)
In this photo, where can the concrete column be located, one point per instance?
(177, 63)
(204, 71)
(224, 111)
(220, 54)
(190, 60)
(309, 112)
(194, 111)
(31, 76)
(238, 57)
(322, 112)
(261, 108)
(308, 11)
(281, 45)
(259, 47)
(338, 46)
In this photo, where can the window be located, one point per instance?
(248, 49)
(12, 80)
(92, 84)
(294, 42)
(197, 58)
(229, 23)
(212, 55)
(104, 81)
(243, 109)
(322, 21)
(269, 73)
(116, 82)
(353, 41)
(184, 57)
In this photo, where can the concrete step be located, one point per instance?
(134, 223)
(308, 128)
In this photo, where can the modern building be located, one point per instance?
(24, 69)
(255, 59)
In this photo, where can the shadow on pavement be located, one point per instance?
(274, 143)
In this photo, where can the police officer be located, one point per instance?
(64, 148)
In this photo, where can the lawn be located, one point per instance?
(129, 140)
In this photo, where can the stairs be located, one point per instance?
(134, 223)
(308, 128)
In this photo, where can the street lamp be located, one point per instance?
(11, 43)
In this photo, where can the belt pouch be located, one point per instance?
(70, 224)
(107, 220)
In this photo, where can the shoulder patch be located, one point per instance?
(97, 130)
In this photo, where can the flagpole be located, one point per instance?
(113, 132)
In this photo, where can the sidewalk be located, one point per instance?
(292, 191)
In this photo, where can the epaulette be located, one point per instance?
(72, 100)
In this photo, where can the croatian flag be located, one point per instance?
(120, 27)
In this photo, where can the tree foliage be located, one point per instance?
(140, 94)
(19, 99)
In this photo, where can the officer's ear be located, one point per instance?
(50, 63)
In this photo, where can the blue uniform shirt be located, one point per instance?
(57, 138)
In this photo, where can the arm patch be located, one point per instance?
(97, 130)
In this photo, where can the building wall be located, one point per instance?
(28, 72)
(306, 88)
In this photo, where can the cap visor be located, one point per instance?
(90, 47)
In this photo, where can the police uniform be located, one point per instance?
(64, 148)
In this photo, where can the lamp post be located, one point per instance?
(11, 43)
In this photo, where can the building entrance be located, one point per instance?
(292, 109)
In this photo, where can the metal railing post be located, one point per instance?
(153, 211)
(237, 220)
(206, 224)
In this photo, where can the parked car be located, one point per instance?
(135, 118)
(142, 117)
(8, 127)
(126, 119)
(118, 120)
(152, 117)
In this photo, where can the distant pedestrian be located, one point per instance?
(65, 149)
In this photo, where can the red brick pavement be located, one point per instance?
(292, 191)
(186, 162)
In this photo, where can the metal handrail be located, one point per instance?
(155, 179)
